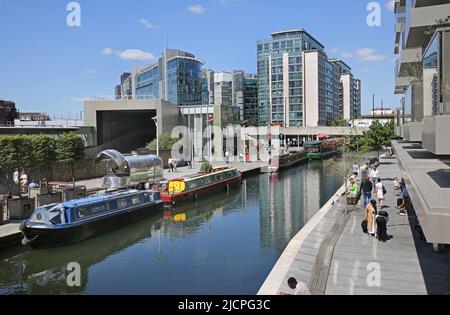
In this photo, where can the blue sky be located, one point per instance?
(45, 65)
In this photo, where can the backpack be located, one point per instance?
(384, 190)
(364, 227)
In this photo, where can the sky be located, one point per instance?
(48, 66)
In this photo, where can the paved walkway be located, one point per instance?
(338, 259)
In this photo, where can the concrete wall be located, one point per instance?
(311, 89)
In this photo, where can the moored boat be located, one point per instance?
(322, 149)
(77, 220)
(192, 188)
(284, 161)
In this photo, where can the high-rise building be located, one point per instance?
(207, 87)
(223, 88)
(176, 78)
(350, 92)
(245, 95)
(297, 84)
(422, 74)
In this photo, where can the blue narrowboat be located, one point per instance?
(77, 220)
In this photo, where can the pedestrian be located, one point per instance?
(366, 189)
(370, 216)
(406, 203)
(227, 156)
(241, 157)
(299, 288)
(374, 175)
(175, 164)
(170, 162)
(381, 191)
(355, 169)
(23, 182)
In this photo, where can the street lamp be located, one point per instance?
(155, 119)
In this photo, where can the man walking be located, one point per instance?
(366, 189)
(374, 178)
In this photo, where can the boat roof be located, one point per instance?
(313, 143)
(199, 175)
(99, 198)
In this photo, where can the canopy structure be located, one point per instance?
(130, 170)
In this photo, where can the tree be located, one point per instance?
(166, 142)
(43, 150)
(69, 149)
(339, 122)
(352, 154)
(378, 136)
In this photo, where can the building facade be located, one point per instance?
(422, 71)
(299, 86)
(176, 78)
(8, 113)
(245, 95)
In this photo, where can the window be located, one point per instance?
(136, 200)
(122, 203)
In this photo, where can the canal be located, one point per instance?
(226, 244)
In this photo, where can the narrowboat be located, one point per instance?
(285, 161)
(77, 220)
(322, 149)
(192, 188)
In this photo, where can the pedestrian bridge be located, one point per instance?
(310, 131)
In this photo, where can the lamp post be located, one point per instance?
(155, 119)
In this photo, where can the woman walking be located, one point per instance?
(380, 192)
(370, 215)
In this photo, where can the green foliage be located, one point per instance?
(339, 122)
(15, 152)
(43, 150)
(69, 148)
(206, 168)
(378, 136)
(166, 142)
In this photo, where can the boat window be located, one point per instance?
(122, 203)
(81, 212)
(136, 200)
(98, 208)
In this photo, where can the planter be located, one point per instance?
(48, 199)
(72, 193)
(20, 208)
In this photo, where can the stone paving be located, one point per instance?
(361, 265)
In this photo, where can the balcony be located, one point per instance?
(407, 66)
(420, 16)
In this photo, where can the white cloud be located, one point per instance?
(107, 52)
(135, 54)
(92, 71)
(368, 54)
(197, 9)
(346, 54)
(129, 54)
(334, 50)
(147, 24)
(390, 5)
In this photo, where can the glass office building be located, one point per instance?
(176, 78)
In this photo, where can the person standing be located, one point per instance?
(170, 162)
(374, 175)
(23, 182)
(366, 189)
(174, 164)
(380, 192)
(227, 156)
(370, 216)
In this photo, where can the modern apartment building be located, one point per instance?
(299, 86)
(176, 78)
(422, 72)
(223, 88)
(245, 95)
(422, 77)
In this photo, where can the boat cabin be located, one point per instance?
(124, 171)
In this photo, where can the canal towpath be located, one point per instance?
(333, 256)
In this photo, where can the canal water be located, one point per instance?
(226, 244)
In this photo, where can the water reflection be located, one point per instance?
(226, 244)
